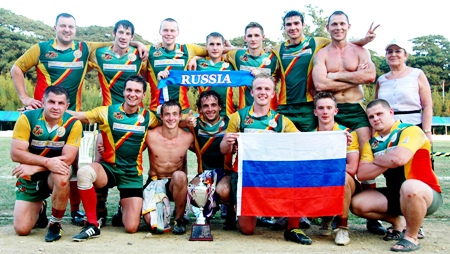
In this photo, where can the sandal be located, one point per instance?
(421, 234)
(393, 235)
(407, 246)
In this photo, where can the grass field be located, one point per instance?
(7, 182)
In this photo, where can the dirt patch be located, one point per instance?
(115, 240)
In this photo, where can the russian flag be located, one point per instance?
(299, 174)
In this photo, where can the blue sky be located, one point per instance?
(399, 19)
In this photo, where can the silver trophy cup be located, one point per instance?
(200, 230)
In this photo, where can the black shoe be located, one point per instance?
(375, 227)
(54, 232)
(101, 218)
(297, 235)
(89, 231)
(280, 223)
(304, 223)
(179, 227)
(116, 219)
(42, 221)
(264, 221)
(78, 218)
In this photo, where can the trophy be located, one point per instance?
(200, 230)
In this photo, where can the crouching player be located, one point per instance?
(45, 142)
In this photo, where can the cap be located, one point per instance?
(399, 43)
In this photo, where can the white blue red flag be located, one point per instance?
(291, 174)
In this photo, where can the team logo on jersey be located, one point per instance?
(107, 56)
(132, 57)
(157, 53)
(141, 118)
(51, 55)
(393, 139)
(273, 123)
(266, 61)
(248, 120)
(118, 115)
(179, 53)
(244, 58)
(77, 53)
(204, 64)
(225, 65)
(375, 144)
(37, 130)
(61, 131)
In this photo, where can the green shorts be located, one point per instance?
(437, 202)
(33, 190)
(301, 114)
(121, 179)
(352, 115)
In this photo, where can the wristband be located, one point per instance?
(425, 131)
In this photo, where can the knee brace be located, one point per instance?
(86, 176)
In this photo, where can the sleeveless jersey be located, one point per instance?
(161, 59)
(226, 93)
(296, 63)
(32, 127)
(59, 67)
(123, 135)
(113, 71)
(412, 138)
(207, 144)
(242, 60)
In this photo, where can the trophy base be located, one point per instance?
(201, 232)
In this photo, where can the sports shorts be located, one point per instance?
(352, 115)
(33, 190)
(393, 198)
(128, 185)
(301, 114)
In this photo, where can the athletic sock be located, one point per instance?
(74, 197)
(89, 199)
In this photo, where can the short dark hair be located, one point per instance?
(254, 25)
(206, 94)
(58, 90)
(170, 103)
(324, 95)
(126, 24)
(64, 15)
(338, 13)
(168, 20)
(215, 35)
(290, 14)
(138, 79)
(381, 102)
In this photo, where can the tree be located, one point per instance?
(432, 54)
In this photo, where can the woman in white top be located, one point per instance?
(406, 89)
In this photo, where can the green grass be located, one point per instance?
(7, 195)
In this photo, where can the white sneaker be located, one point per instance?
(342, 237)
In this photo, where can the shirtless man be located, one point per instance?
(341, 67)
(167, 147)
